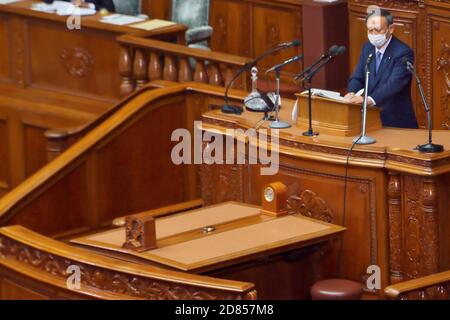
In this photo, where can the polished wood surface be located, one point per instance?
(54, 78)
(336, 117)
(250, 27)
(45, 276)
(237, 236)
(394, 194)
(425, 27)
(436, 284)
(143, 60)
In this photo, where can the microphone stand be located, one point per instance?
(307, 79)
(363, 139)
(246, 67)
(429, 147)
(277, 124)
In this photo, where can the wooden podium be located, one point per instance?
(335, 117)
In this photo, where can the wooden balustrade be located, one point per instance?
(435, 286)
(146, 60)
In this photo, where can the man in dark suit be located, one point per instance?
(390, 81)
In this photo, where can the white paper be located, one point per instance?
(8, 1)
(326, 94)
(62, 8)
(295, 111)
(120, 19)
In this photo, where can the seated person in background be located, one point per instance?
(390, 81)
(99, 4)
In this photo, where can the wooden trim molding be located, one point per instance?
(47, 260)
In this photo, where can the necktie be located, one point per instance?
(378, 60)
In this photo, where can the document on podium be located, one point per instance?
(334, 95)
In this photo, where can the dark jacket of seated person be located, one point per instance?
(99, 4)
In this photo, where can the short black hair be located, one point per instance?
(379, 12)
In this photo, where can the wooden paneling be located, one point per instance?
(4, 51)
(35, 146)
(13, 291)
(4, 155)
(120, 191)
(50, 217)
(440, 39)
(236, 40)
(273, 25)
(83, 62)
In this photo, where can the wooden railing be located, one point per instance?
(143, 60)
(435, 286)
(44, 262)
(83, 188)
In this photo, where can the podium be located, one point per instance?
(335, 117)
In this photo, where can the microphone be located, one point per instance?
(408, 64)
(333, 52)
(429, 147)
(284, 63)
(333, 49)
(238, 110)
(368, 61)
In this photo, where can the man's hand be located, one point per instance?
(349, 96)
(357, 99)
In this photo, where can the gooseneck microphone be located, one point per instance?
(234, 109)
(307, 75)
(332, 53)
(429, 147)
(284, 63)
(333, 49)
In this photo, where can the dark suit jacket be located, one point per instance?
(100, 4)
(390, 87)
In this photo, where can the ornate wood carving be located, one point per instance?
(309, 204)
(443, 66)
(395, 228)
(19, 65)
(94, 277)
(78, 62)
(389, 4)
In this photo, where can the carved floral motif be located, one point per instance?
(78, 62)
(110, 280)
(310, 205)
(443, 65)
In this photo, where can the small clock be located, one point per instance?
(274, 197)
(269, 194)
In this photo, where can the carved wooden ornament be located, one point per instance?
(140, 233)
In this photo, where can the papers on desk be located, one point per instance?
(326, 94)
(153, 24)
(8, 1)
(120, 19)
(62, 8)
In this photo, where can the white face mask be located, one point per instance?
(378, 40)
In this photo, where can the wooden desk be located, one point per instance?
(38, 50)
(52, 77)
(397, 199)
(241, 234)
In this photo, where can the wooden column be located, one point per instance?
(154, 67)
(126, 72)
(140, 68)
(395, 227)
